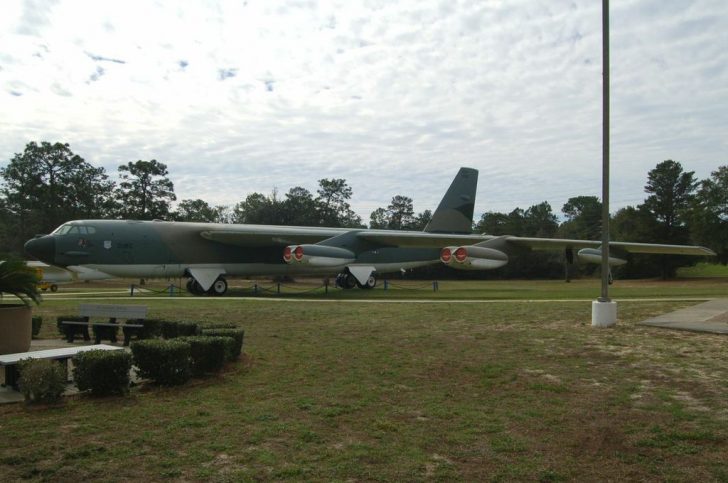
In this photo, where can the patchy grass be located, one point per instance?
(451, 391)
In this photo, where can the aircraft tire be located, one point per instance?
(349, 281)
(194, 288)
(219, 287)
(369, 284)
(54, 288)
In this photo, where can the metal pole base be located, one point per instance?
(604, 314)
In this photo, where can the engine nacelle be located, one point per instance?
(473, 258)
(594, 255)
(317, 255)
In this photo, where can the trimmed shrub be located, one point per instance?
(187, 329)
(237, 335)
(207, 353)
(172, 329)
(102, 372)
(152, 328)
(166, 362)
(37, 323)
(168, 329)
(41, 380)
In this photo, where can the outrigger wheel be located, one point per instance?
(219, 287)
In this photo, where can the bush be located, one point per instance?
(207, 353)
(172, 329)
(167, 362)
(152, 327)
(41, 380)
(103, 372)
(37, 323)
(237, 335)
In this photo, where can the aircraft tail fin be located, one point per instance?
(455, 212)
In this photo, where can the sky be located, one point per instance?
(393, 96)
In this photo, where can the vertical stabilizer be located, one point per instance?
(455, 212)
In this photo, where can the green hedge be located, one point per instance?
(207, 353)
(172, 329)
(165, 361)
(41, 380)
(102, 372)
(37, 323)
(235, 348)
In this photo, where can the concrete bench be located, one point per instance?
(10, 361)
(112, 312)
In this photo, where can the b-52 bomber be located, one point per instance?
(207, 253)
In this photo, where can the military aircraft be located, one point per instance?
(50, 276)
(207, 253)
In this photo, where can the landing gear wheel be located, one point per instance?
(369, 284)
(194, 288)
(219, 287)
(54, 288)
(610, 279)
(345, 281)
(349, 281)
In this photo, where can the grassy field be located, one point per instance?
(408, 391)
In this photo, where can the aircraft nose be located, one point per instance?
(43, 248)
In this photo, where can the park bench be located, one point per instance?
(106, 330)
(10, 361)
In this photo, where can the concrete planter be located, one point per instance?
(16, 328)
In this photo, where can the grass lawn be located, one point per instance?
(375, 391)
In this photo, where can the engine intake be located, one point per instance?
(317, 255)
(473, 257)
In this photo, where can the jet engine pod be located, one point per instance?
(446, 254)
(473, 258)
(317, 255)
(594, 255)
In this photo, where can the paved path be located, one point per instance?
(711, 316)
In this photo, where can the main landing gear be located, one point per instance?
(219, 287)
(347, 281)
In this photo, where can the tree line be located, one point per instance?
(47, 184)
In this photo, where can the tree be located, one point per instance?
(540, 221)
(46, 185)
(583, 218)
(421, 220)
(400, 213)
(334, 209)
(709, 213)
(259, 209)
(671, 193)
(145, 191)
(200, 211)
(300, 209)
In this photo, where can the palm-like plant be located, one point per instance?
(16, 278)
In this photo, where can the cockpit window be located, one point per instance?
(74, 230)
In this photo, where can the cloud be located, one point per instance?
(392, 96)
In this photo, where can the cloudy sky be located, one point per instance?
(246, 96)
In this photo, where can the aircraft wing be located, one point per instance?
(422, 240)
(259, 235)
(655, 248)
(417, 239)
